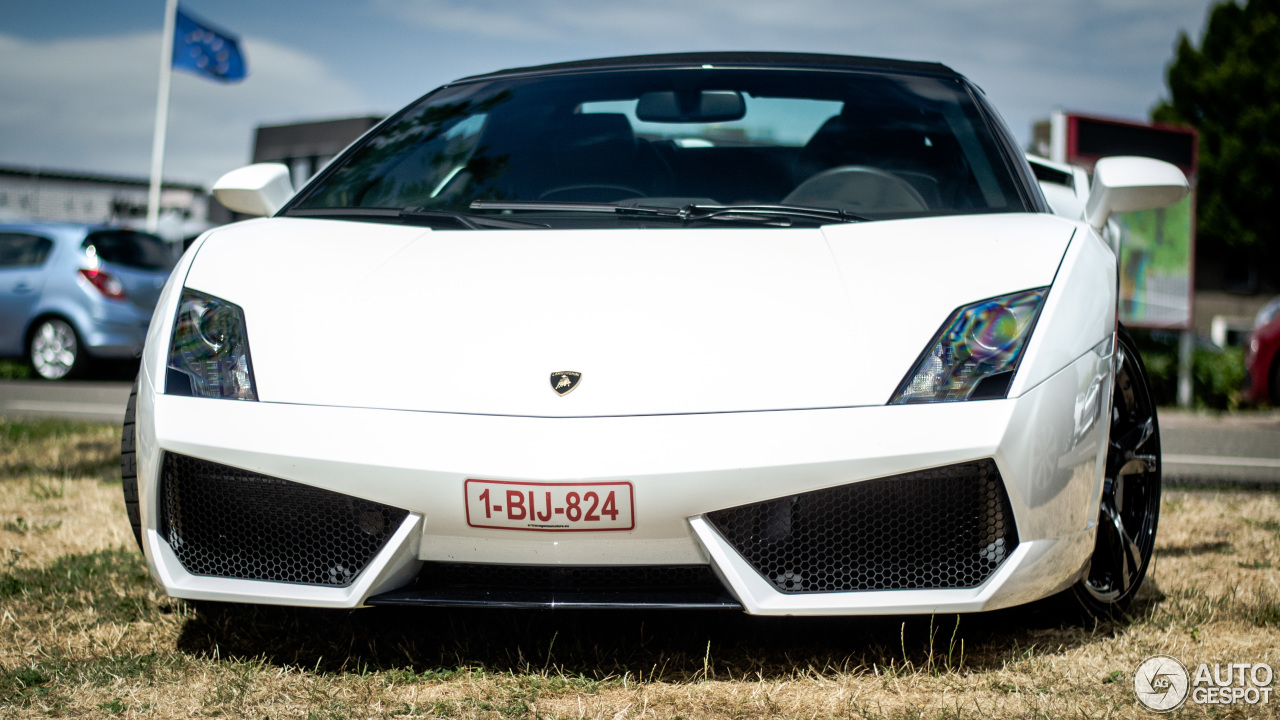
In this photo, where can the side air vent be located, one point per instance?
(227, 522)
(948, 527)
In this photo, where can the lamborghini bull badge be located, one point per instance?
(565, 381)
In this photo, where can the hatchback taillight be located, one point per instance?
(104, 283)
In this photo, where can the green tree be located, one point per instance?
(1229, 90)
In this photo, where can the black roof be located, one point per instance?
(737, 59)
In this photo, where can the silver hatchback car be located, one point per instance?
(71, 294)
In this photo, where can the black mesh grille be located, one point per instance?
(232, 523)
(948, 527)
(540, 577)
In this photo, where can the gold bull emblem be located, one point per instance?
(565, 381)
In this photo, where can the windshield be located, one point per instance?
(867, 144)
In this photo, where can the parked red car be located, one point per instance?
(1261, 365)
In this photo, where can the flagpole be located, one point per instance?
(162, 115)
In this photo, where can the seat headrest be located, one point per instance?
(597, 132)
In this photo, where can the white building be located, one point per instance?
(39, 194)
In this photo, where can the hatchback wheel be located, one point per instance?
(54, 349)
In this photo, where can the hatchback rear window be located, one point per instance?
(130, 248)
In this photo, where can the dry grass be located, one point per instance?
(84, 632)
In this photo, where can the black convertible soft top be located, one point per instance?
(736, 59)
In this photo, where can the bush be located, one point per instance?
(14, 370)
(1217, 374)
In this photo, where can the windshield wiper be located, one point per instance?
(417, 215)
(768, 214)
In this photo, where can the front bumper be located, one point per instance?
(1048, 445)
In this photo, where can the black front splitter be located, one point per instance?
(536, 599)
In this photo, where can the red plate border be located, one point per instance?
(631, 492)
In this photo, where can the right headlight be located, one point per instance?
(977, 352)
(209, 350)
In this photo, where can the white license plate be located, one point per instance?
(550, 507)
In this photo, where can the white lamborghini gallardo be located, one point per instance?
(795, 334)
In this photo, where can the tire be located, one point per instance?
(129, 464)
(54, 350)
(1130, 507)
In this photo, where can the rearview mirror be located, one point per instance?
(258, 190)
(1126, 184)
(696, 106)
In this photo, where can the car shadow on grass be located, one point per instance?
(658, 645)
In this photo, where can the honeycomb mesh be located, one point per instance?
(559, 577)
(232, 523)
(948, 527)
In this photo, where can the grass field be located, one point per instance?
(85, 633)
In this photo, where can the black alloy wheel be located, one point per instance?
(1130, 507)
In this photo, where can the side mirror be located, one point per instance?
(1126, 184)
(259, 189)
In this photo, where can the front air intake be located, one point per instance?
(227, 522)
(614, 587)
(948, 527)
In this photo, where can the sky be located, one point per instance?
(78, 78)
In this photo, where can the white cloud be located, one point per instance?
(89, 104)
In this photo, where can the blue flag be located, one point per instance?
(204, 50)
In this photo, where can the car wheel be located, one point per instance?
(1130, 506)
(129, 464)
(54, 349)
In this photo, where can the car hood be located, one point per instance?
(656, 321)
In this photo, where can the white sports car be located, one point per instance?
(796, 334)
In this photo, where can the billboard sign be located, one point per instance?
(1157, 247)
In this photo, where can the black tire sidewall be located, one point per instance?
(129, 464)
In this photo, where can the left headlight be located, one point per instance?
(209, 350)
(977, 352)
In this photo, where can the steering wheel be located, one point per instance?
(858, 188)
(601, 192)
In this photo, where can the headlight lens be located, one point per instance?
(977, 352)
(209, 350)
